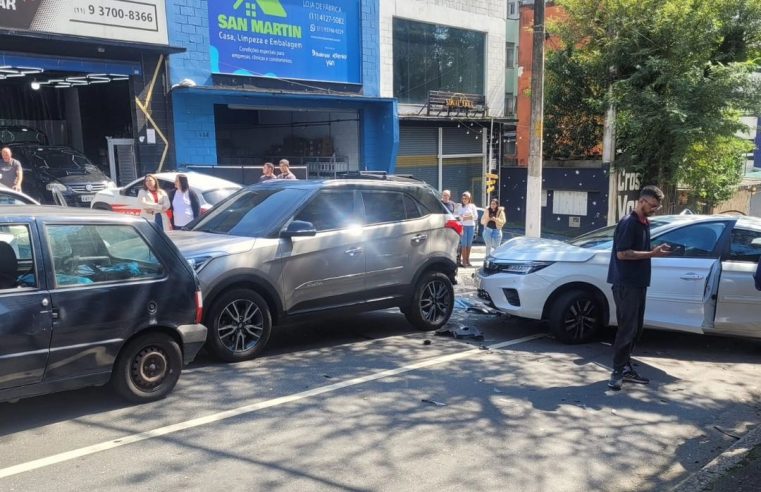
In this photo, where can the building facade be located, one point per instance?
(89, 77)
(265, 80)
(444, 62)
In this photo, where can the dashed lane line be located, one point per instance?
(235, 412)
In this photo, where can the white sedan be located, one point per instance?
(208, 189)
(705, 286)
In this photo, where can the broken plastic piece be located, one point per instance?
(434, 402)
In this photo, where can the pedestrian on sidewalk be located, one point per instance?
(493, 220)
(184, 203)
(268, 172)
(285, 170)
(154, 203)
(629, 272)
(446, 199)
(11, 172)
(468, 214)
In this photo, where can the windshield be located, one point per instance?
(252, 212)
(22, 135)
(61, 159)
(603, 238)
(214, 196)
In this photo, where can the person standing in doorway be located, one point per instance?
(185, 206)
(154, 203)
(493, 220)
(285, 170)
(446, 199)
(468, 214)
(629, 272)
(11, 172)
(268, 172)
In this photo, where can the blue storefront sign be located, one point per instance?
(289, 39)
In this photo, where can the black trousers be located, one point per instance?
(630, 313)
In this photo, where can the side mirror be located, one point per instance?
(123, 191)
(299, 228)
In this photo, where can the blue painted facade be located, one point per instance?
(193, 107)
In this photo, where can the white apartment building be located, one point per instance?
(456, 47)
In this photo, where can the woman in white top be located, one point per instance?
(185, 205)
(468, 214)
(154, 203)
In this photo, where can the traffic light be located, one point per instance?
(491, 182)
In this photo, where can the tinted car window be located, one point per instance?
(411, 207)
(22, 135)
(383, 206)
(329, 210)
(215, 196)
(603, 238)
(252, 212)
(115, 253)
(60, 159)
(17, 268)
(741, 249)
(695, 240)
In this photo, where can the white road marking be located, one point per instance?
(235, 412)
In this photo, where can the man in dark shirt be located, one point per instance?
(268, 172)
(629, 272)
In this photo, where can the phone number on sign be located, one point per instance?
(116, 13)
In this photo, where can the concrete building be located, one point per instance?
(444, 61)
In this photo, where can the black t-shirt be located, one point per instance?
(631, 234)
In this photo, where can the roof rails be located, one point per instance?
(383, 175)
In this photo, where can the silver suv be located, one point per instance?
(282, 250)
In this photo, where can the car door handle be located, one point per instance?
(692, 276)
(419, 238)
(353, 251)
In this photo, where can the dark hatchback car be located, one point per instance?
(89, 297)
(51, 171)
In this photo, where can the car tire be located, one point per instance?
(101, 206)
(229, 338)
(432, 302)
(147, 368)
(575, 316)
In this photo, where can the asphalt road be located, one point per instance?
(365, 403)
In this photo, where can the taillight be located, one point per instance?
(199, 307)
(455, 225)
(204, 210)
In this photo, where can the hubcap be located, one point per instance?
(240, 325)
(149, 368)
(581, 318)
(436, 301)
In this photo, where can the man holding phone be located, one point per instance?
(629, 272)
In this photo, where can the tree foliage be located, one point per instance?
(681, 73)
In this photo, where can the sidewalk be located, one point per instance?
(738, 469)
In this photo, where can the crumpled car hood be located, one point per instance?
(538, 249)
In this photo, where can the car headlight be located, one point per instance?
(198, 262)
(516, 267)
(56, 187)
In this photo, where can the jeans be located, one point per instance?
(492, 239)
(466, 241)
(630, 313)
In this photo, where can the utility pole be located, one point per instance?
(608, 156)
(534, 181)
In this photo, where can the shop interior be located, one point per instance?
(322, 141)
(74, 109)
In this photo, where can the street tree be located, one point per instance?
(681, 73)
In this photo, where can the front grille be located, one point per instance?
(82, 187)
(512, 297)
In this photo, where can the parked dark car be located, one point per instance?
(88, 297)
(287, 249)
(22, 134)
(51, 170)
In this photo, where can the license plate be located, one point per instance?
(86, 198)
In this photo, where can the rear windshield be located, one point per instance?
(22, 135)
(254, 212)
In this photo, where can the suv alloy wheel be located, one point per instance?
(239, 324)
(432, 301)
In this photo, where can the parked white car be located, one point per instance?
(208, 189)
(705, 286)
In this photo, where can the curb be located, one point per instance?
(702, 479)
